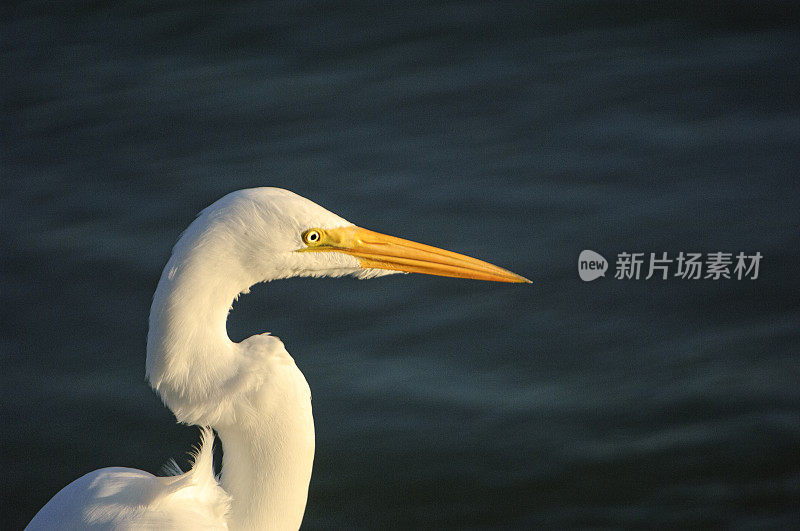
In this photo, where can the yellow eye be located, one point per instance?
(311, 236)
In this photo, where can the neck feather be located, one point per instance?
(189, 353)
(269, 457)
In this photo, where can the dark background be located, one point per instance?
(518, 133)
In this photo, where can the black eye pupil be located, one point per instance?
(311, 236)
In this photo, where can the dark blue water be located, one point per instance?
(517, 133)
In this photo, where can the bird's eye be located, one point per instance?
(311, 236)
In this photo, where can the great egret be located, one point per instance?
(251, 392)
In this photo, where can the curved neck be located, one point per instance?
(189, 353)
(251, 393)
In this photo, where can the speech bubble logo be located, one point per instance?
(591, 265)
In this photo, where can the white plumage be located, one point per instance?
(251, 393)
(126, 498)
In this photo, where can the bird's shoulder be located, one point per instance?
(127, 498)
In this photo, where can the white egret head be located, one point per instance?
(270, 233)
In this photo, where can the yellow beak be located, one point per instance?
(379, 251)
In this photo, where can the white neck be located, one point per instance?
(267, 463)
(251, 393)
